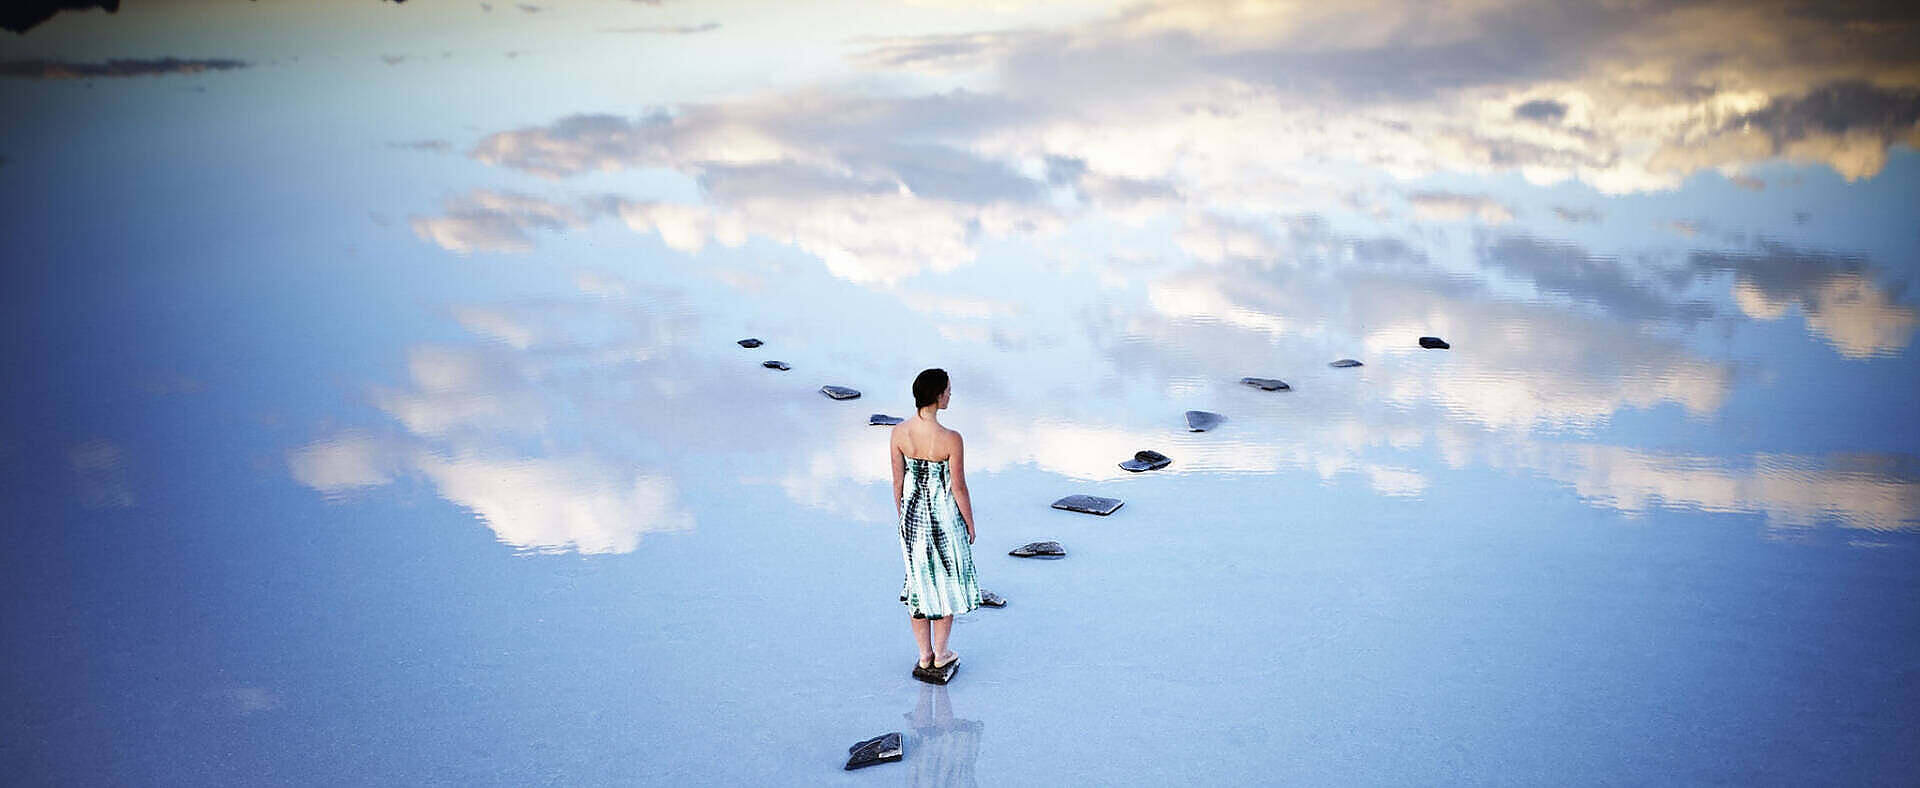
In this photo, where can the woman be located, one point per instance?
(930, 499)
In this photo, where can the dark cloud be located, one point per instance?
(432, 146)
(1542, 110)
(20, 16)
(667, 29)
(1567, 270)
(1839, 108)
(1576, 215)
(58, 69)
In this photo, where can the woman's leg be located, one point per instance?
(922, 635)
(941, 628)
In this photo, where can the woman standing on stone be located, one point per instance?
(936, 520)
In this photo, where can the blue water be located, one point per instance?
(374, 413)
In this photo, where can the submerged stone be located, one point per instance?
(1091, 504)
(779, 365)
(1146, 460)
(750, 342)
(884, 748)
(1267, 384)
(1039, 550)
(991, 599)
(840, 392)
(1343, 363)
(1434, 343)
(883, 420)
(1201, 421)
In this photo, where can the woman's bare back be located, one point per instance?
(924, 440)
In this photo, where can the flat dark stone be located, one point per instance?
(1146, 460)
(1201, 421)
(879, 749)
(1434, 343)
(939, 675)
(1091, 504)
(884, 420)
(750, 342)
(1343, 363)
(779, 365)
(991, 599)
(1039, 550)
(1267, 384)
(840, 392)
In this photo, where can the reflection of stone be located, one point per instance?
(1090, 504)
(779, 365)
(750, 343)
(1146, 460)
(883, 420)
(1434, 343)
(944, 747)
(1201, 421)
(1344, 363)
(1039, 550)
(879, 749)
(1267, 384)
(840, 392)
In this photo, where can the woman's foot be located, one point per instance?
(926, 661)
(946, 659)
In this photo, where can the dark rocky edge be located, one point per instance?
(884, 748)
(1434, 343)
(1146, 460)
(1090, 504)
(1039, 550)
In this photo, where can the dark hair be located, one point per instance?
(928, 387)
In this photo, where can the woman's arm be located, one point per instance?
(960, 484)
(899, 471)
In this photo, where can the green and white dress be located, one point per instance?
(933, 544)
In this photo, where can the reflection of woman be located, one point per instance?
(942, 747)
(930, 497)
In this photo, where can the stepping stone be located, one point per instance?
(879, 749)
(840, 392)
(1145, 460)
(883, 420)
(1039, 550)
(940, 675)
(1434, 343)
(991, 599)
(1343, 363)
(1267, 384)
(750, 342)
(1091, 504)
(779, 365)
(1201, 421)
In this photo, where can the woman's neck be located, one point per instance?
(931, 413)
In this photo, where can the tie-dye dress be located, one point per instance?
(933, 544)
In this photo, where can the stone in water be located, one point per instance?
(939, 675)
(840, 392)
(1267, 384)
(883, 420)
(1146, 460)
(1434, 343)
(1343, 363)
(879, 749)
(1091, 504)
(750, 342)
(1201, 421)
(1039, 550)
(991, 599)
(779, 365)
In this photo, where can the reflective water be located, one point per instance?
(375, 414)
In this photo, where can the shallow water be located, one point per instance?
(375, 414)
